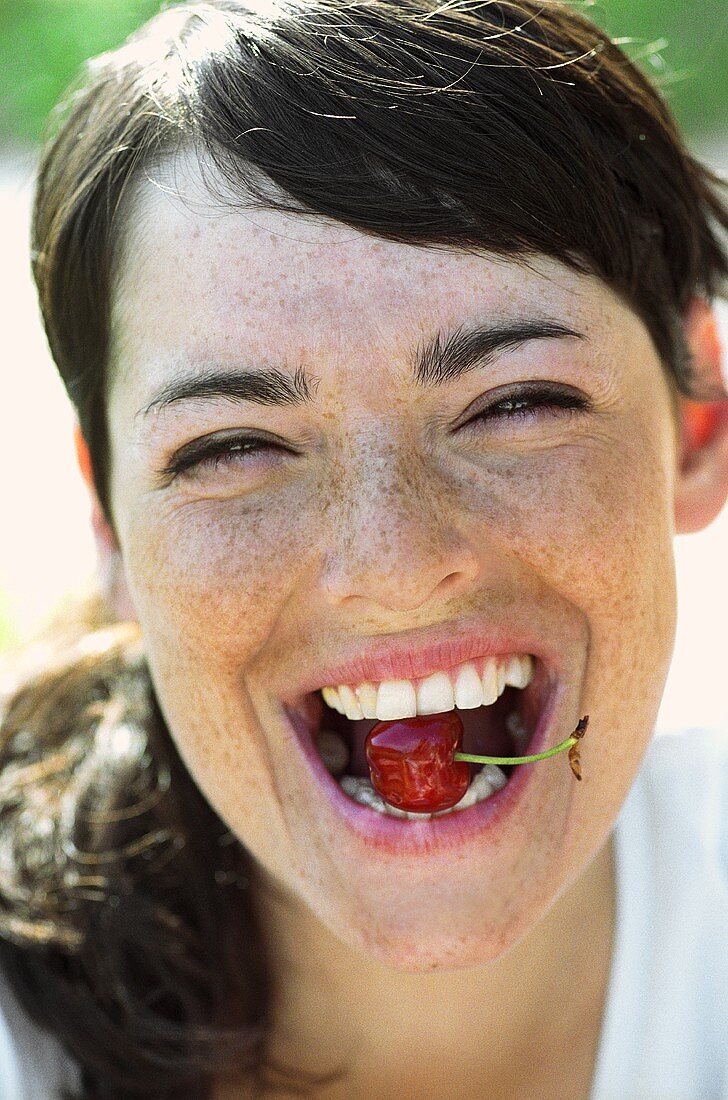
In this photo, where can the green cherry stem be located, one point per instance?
(571, 744)
(471, 759)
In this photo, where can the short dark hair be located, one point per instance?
(512, 128)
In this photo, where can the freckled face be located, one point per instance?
(383, 507)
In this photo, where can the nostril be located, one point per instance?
(403, 581)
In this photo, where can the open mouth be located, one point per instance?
(504, 727)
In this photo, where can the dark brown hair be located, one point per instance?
(126, 923)
(510, 128)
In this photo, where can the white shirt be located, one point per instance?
(665, 1026)
(33, 1065)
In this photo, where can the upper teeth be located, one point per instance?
(473, 684)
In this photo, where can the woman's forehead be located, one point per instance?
(184, 210)
(199, 276)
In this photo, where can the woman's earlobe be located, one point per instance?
(103, 532)
(110, 566)
(701, 487)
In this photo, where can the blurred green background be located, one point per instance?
(42, 43)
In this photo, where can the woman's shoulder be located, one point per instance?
(683, 790)
(691, 765)
(672, 848)
(666, 1028)
(702, 749)
(33, 1064)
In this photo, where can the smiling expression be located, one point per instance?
(381, 506)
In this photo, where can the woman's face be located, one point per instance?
(383, 510)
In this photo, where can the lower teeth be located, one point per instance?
(487, 781)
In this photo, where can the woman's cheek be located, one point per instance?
(591, 519)
(593, 524)
(212, 575)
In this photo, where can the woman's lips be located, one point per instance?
(417, 655)
(397, 837)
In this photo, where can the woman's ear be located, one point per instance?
(701, 486)
(112, 575)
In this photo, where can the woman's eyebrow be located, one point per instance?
(443, 358)
(269, 386)
(448, 355)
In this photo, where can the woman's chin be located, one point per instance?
(427, 945)
(436, 955)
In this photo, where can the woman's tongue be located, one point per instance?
(484, 733)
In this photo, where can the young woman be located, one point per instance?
(388, 329)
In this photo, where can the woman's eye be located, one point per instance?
(214, 455)
(530, 405)
(238, 452)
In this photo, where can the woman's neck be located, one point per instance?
(533, 1015)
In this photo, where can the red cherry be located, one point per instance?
(411, 762)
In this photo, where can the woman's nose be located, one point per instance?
(391, 540)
